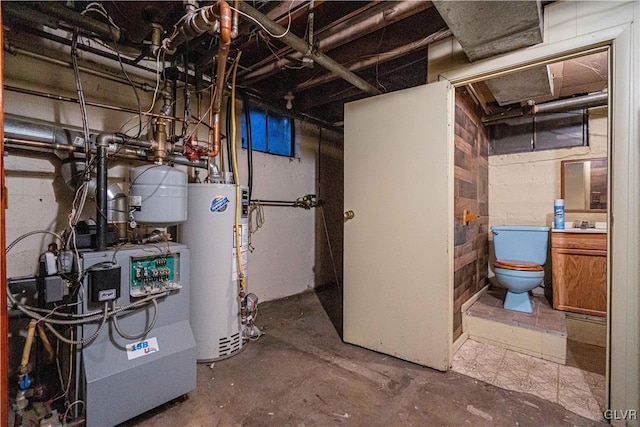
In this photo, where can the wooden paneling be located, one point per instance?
(579, 265)
(471, 253)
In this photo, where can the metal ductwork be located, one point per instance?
(489, 28)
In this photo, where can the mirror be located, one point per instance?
(584, 185)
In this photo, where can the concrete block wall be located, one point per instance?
(283, 261)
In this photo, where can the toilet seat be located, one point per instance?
(509, 264)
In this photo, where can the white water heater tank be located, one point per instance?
(158, 195)
(209, 233)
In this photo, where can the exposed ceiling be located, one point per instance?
(383, 43)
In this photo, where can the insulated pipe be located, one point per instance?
(194, 24)
(18, 128)
(22, 144)
(303, 47)
(70, 16)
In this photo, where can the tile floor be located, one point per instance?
(577, 390)
(544, 318)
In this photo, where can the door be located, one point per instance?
(398, 174)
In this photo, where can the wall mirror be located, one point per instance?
(584, 185)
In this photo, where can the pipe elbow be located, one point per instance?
(224, 11)
(104, 139)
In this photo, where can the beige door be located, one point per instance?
(398, 182)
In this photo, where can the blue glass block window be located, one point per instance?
(271, 133)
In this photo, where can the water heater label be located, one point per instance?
(142, 348)
(219, 204)
(135, 203)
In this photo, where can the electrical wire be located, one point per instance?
(259, 216)
(31, 233)
(116, 325)
(236, 176)
(333, 262)
(247, 120)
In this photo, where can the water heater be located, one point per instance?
(209, 233)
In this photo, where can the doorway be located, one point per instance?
(514, 135)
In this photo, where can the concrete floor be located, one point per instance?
(301, 373)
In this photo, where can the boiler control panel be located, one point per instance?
(154, 274)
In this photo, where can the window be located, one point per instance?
(270, 132)
(540, 132)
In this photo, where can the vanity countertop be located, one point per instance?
(580, 230)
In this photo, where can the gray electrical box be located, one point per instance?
(120, 378)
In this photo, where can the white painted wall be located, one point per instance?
(283, 261)
(522, 187)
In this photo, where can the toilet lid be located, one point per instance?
(518, 265)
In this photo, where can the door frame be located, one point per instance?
(624, 234)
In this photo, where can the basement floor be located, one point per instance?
(301, 373)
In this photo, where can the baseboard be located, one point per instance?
(474, 298)
(587, 329)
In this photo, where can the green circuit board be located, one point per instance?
(153, 274)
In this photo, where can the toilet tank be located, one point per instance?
(521, 243)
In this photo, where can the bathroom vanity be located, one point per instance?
(579, 270)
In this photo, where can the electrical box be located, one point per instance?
(104, 283)
(154, 274)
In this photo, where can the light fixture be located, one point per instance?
(289, 97)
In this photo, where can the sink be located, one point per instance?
(580, 230)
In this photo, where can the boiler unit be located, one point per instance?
(211, 236)
(145, 354)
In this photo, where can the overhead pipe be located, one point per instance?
(217, 17)
(70, 16)
(359, 26)
(376, 59)
(303, 47)
(99, 52)
(568, 104)
(221, 66)
(89, 103)
(102, 74)
(558, 106)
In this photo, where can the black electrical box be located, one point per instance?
(104, 283)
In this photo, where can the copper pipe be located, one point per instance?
(224, 11)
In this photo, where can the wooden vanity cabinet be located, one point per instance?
(579, 272)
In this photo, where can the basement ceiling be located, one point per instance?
(383, 43)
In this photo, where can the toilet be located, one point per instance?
(521, 252)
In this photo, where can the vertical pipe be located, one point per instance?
(4, 317)
(101, 192)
